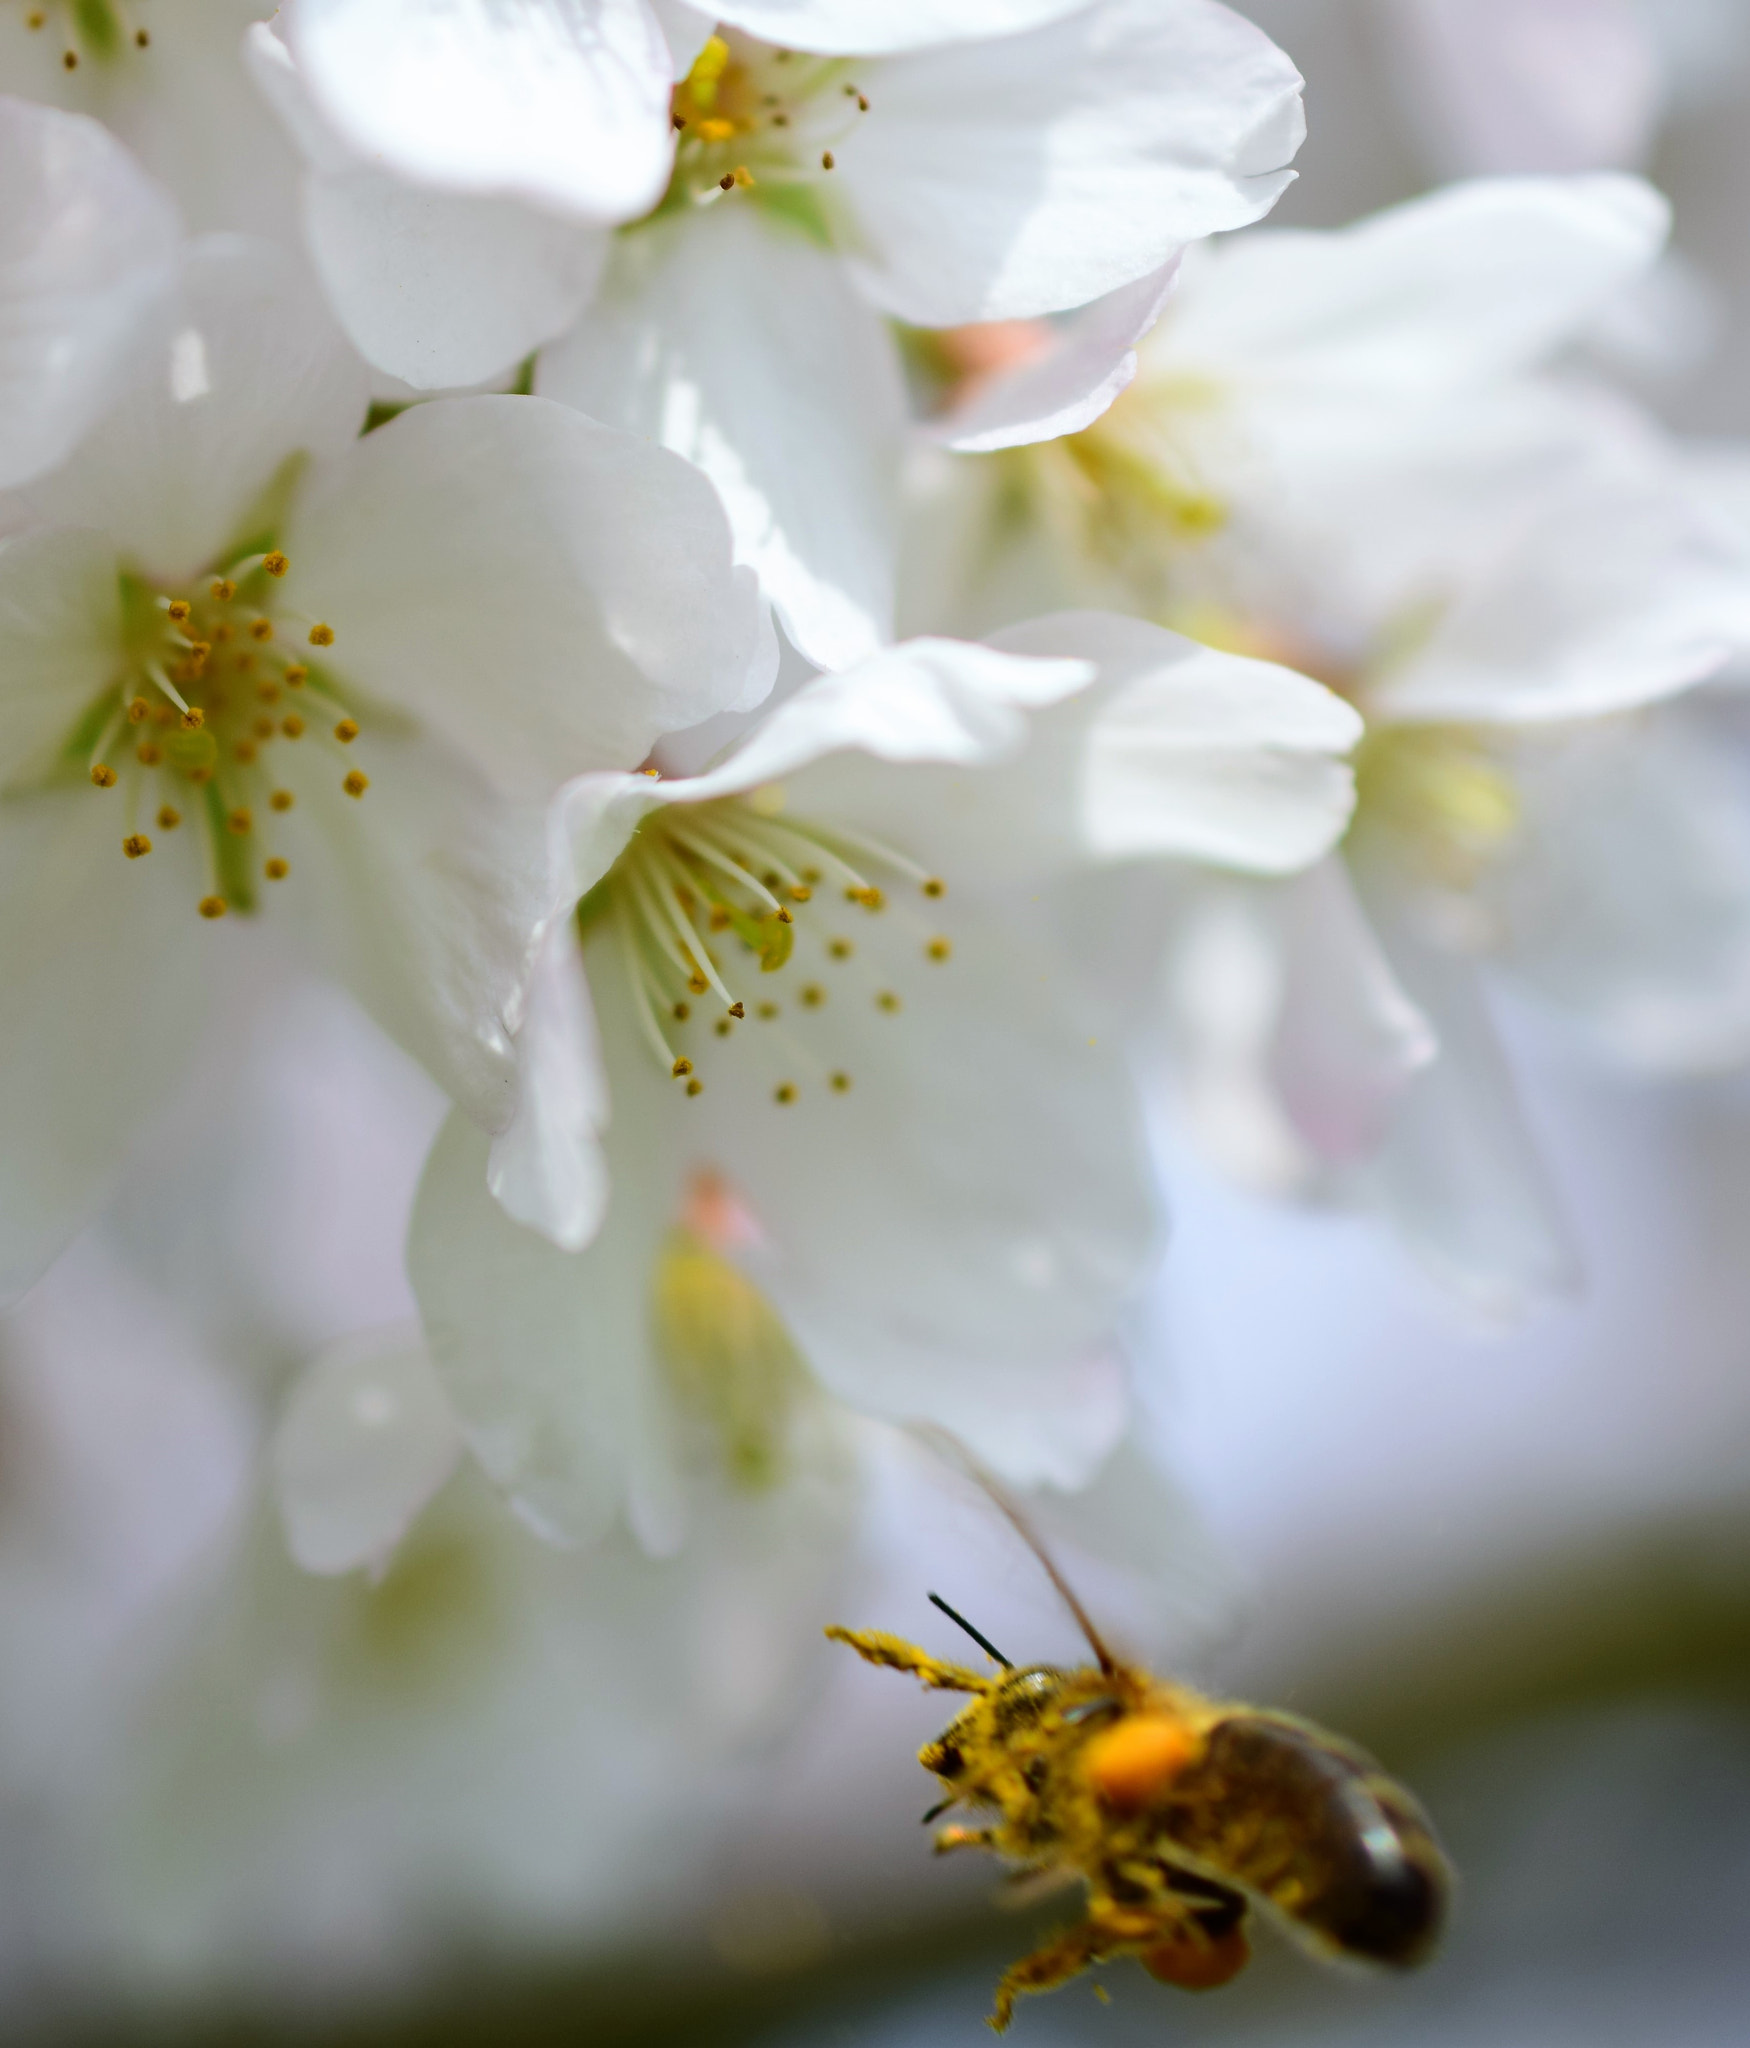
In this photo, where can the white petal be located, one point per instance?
(99, 1007)
(255, 373)
(364, 1440)
(547, 1168)
(1349, 1039)
(545, 1354)
(1457, 288)
(684, 29)
(1001, 180)
(1195, 754)
(738, 344)
(1626, 896)
(60, 636)
(1083, 367)
(444, 288)
(1459, 1174)
(955, 1237)
(549, 593)
(1596, 587)
(425, 897)
(88, 248)
(560, 102)
(856, 28)
(1528, 85)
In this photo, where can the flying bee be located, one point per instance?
(1178, 1814)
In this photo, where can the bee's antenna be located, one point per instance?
(947, 1442)
(984, 1642)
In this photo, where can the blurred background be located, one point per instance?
(1514, 1563)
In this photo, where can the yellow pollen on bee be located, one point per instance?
(277, 870)
(168, 818)
(346, 731)
(356, 784)
(136, 844)
(103, 775)
(281, 800)
(211, 906)
(321, 634)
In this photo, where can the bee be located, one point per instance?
(1178, 1814)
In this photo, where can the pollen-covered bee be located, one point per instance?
(1179, 1815)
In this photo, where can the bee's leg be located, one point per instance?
(1076, 1949)
(965, 1838)
(898, 1655)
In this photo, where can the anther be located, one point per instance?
(801, 893)
(356, 784)
(347, 731)
(681, 1012)
(69, 60)
(887, 1001)
(239, 822)
(767, 1010)
(142, 39)
(784, 1092)
(263, 728)
(813, 996)
(784, 916)
(245, 751)
(138, 711)
(934, 886)
(296, 674)
(275, 564)
(697, 983)
(841, 949)
(103, 774)
(938, 949)
(292, 726)
(695, 1086)
(135, 844)
(723, 1027)
(148, 753)
(168, 818)
(277, 870)
(726, 183)
(826, 159)
(212, 906)
(261, 629)
(178, 609)
(683, 1065)
(223, 590)
(268, 690)
(193, 718)
(738, 1009)
(281, 800)
(841, 1083)
(321, 635)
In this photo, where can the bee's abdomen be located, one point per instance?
(1318, 1830)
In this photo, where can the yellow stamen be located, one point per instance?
(347, 731)
(212, 906)
(277, 870)
(103, 774)
(356, 784)
(168, 818)
(136, 844)
(321, 635)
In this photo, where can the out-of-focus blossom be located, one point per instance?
(168, 78)
(1340, 451)
(820, 1033)
(740, 323)
(178, 734)
(89, 249)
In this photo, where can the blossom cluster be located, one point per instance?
(784, 605)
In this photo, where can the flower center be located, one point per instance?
(706, 896)
(752, 118)
(724, 1347)
(207, 715)
(91, 31)
(1439, 792)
